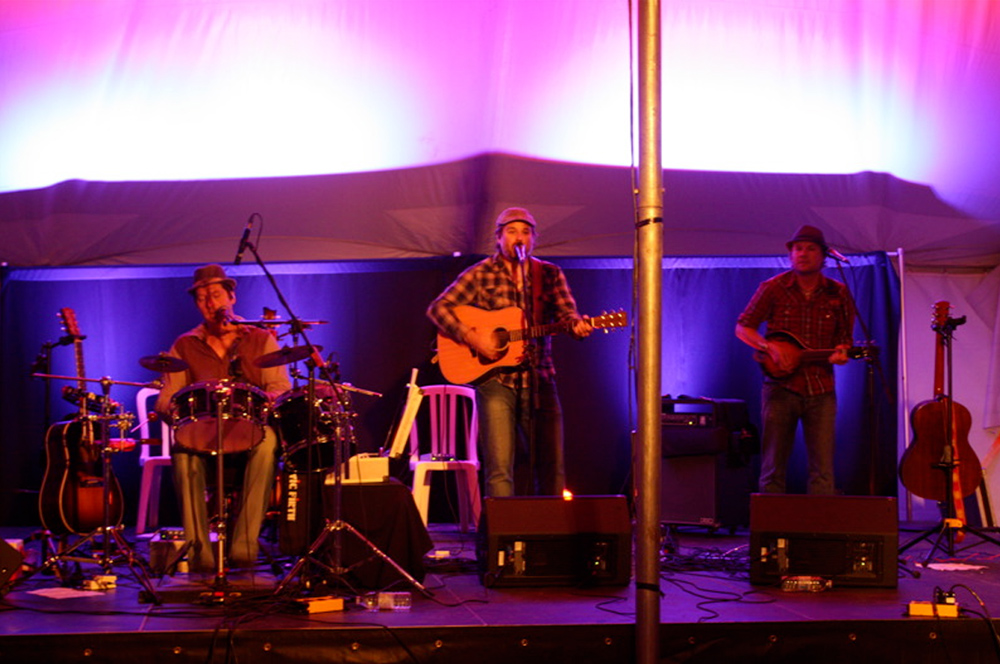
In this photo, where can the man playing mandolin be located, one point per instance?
(804, 311)
(521, 399)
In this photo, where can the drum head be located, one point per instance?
(201, 410)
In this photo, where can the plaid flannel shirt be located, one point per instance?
(488, 285)
(825, 320)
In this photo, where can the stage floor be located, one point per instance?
(710, 612)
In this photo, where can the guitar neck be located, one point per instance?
(535, 331)
(80, 371)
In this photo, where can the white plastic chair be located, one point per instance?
(153, 465)
(445, 403)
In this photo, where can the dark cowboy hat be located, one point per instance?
(211, 274)
(808, 233)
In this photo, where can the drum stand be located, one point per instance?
(332, 533)
(220, 583)
(336, 526)
(112, 540)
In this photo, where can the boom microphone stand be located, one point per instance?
(337, 525)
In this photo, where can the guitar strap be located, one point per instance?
(536, 291)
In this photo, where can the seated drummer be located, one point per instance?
(214, 350)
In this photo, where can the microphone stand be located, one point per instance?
(872, 363)
(527, 293)
(336, 526)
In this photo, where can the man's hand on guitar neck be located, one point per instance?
(840, 355)
(481, 343)
(581, 327)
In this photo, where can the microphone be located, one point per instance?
(519, 250)
(244, 240)
(222, 316)
(837, 256)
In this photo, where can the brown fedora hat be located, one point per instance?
(211, 274)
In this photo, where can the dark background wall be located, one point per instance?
(377, 331)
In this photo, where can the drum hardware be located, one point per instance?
(196, 423)
(113, 544)
(218, 418)
(331, 534)
(336, 526)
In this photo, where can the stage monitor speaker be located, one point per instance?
(10, 563)
(549, 541)
(851, 540)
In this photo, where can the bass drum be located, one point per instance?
(333, 426)
(195, 411)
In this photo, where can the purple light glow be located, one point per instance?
(131, 90)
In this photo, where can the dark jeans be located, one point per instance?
(505, 416)
(781, 412)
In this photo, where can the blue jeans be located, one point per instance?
(505, 418)
(781, 412)
(190, 477)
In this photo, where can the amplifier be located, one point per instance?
(686, 419)
(706, 426)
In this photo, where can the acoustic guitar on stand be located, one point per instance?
(940, 464)
(460, 364)
(800, 353)
(71, 499)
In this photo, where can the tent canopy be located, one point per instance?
(138, 132)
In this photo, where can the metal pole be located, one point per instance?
(647, 441)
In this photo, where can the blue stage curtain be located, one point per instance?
(376, 331)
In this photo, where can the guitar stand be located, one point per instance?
(947, 531)
(113, 544)
(950, 529)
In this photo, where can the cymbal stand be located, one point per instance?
(949, 526)
(332, 532)
(335, 526)
(112, 539)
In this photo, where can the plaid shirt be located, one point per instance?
(825, 320)
(489, 285)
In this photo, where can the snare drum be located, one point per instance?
(291, 412)
(195, 411)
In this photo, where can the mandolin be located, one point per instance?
(71, 499)
(800, 353)
(939, 463)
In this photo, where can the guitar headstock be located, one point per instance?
(608, 321)
(68, 317)
(941, 310)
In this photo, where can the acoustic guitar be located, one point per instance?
(800, 353)
(460, 364)
(924, 469)
(71, 499)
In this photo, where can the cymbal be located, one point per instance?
(285, 356)
(163, 363)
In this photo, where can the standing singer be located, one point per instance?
(518, 403)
